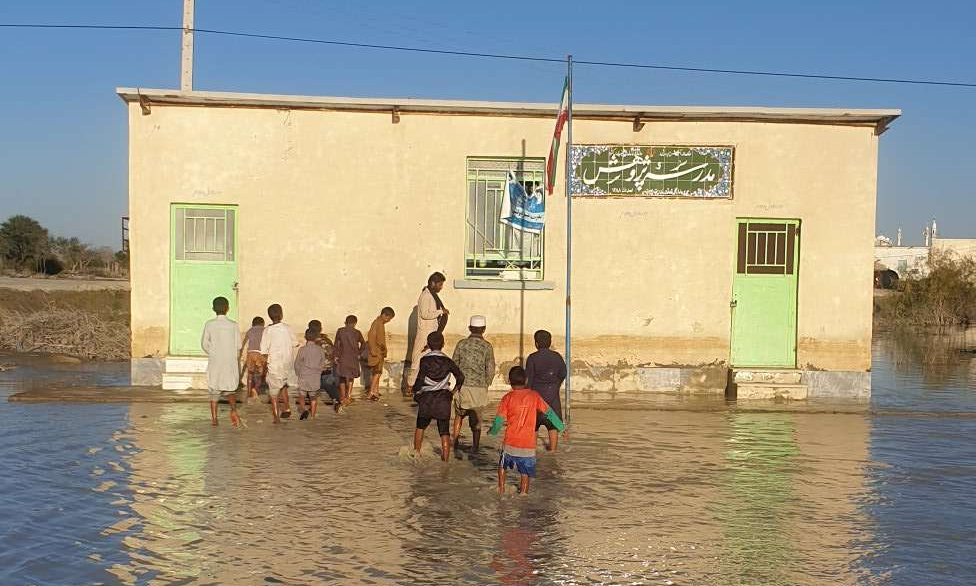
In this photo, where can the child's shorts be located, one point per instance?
(310, 395)
(280, 376)
(443, 425)
(216, 395)
(524, 464)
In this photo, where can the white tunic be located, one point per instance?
(221, 337)
(427, 323)
(278, 343)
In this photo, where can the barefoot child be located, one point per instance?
(308, 366)
(432, 392)
(278, 343)
(376, 343)
(546, 371)
(219, 342)
(519, 409)
(476, 358)
(349, 346)
(255, 363)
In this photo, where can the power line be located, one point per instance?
(460, 53)
(780, 74)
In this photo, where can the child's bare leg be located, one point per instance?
(283, 393)
(343, 392)
(445, 447)
(553, 440)
(501, 480)
(418, 440)
(301, 402)
(315, 407)
(523, 484)
(213, 412)
(374, 385)
(274, 407)
(475, 423)
(232, 399)
(456, 432)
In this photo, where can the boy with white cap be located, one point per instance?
(476, 358)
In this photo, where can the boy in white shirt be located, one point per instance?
(278, 344)
(219, 341)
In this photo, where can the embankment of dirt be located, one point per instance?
(87, 324)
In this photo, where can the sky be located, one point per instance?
(64, 134)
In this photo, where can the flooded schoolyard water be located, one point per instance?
(151, 494)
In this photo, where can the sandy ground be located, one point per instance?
(40, 284)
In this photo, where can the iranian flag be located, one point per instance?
(561, 116)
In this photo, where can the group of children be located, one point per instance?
(323, 364)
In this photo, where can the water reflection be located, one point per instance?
(151, 494)
(759, 490)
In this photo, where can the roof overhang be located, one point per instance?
(879, 119)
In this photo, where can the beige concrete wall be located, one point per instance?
(346, 212)
(961, 247)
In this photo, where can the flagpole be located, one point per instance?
(569, 239)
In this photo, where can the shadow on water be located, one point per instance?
(152, 494)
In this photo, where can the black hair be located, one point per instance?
(315, 325)
(221, 306)
(477, 329)
(275, 312)
(388, 312)
(435, 341)
(543, 339)
(436, 277)
(516, 376)
(257, 321)
(351, 319)
(311, 335)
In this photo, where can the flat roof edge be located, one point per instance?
(879, 117)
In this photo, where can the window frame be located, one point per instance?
(527, 269)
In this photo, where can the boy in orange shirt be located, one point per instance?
(519, 408)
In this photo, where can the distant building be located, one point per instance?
(894, 263)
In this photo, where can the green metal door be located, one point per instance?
(203, 265)
(764, 293)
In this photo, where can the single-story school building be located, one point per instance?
(712, 247)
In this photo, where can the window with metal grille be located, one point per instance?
(204, 234)
(766, 248)
(493, 249)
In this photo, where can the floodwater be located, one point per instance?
(151, 494)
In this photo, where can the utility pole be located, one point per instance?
(186, 65)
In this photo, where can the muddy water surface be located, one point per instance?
(151, 494)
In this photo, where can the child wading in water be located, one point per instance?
(376, 343)
(329, 381)
(255, 363)
(432, 392)
(518, 410)
(546, 371)
(308, 366)
(278, 343)
(349, 347)
(219, 341)
(476, 358)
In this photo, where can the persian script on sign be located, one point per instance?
(652, 171)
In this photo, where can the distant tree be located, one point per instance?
(122, 257)
(105, 256)
(77, 256)
(23, 241)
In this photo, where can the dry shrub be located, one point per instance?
(53, 330)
